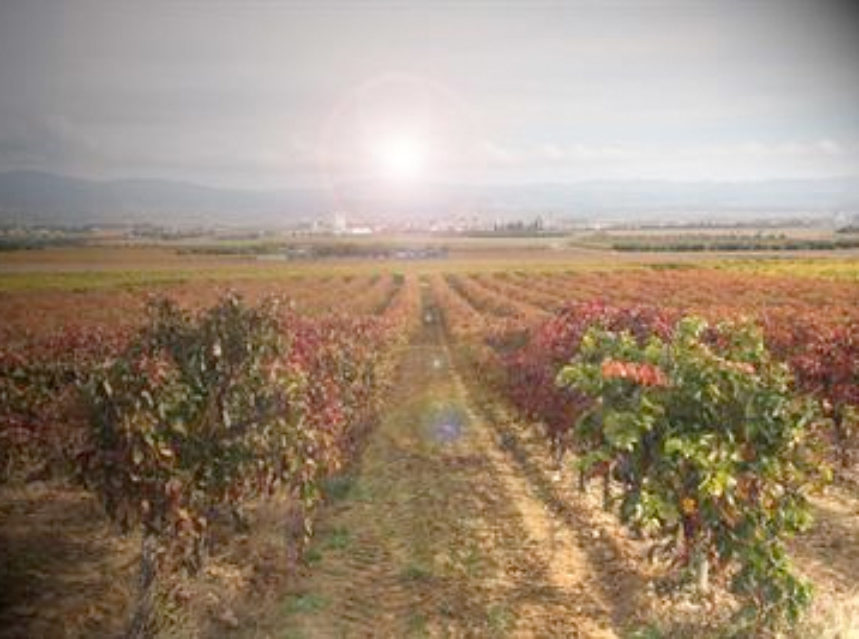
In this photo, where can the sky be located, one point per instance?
(269, 94)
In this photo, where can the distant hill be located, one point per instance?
(33, 197)
(46, 198)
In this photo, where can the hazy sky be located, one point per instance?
(268, 94)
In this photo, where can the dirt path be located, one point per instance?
(441, 533)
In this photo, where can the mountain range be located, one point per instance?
(33, 197)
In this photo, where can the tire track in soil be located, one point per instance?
(441, 533)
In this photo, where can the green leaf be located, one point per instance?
(622, 430)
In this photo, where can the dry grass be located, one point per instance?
(64, 570)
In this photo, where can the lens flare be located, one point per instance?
(401, 158)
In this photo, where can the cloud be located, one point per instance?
(244, 94)
(749, 160)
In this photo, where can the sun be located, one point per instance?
(401, 158)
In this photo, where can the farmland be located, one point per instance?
(406, 462)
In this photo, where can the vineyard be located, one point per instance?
(648, 451)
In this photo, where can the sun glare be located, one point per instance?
(401, 159)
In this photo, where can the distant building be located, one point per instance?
(339, 225)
